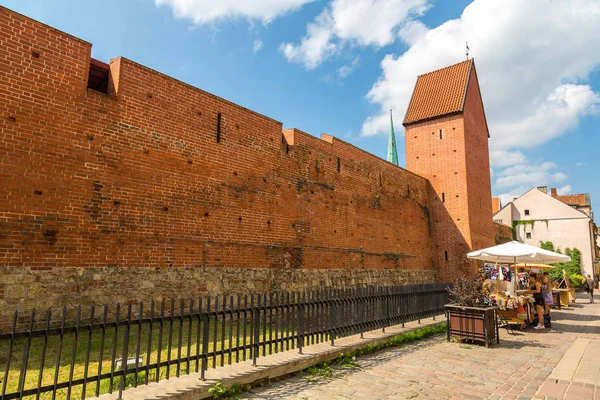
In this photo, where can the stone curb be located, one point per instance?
(190, 387)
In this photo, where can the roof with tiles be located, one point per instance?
(581, 199)
(439, 93)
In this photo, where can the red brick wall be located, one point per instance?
(457, 165)
(478, 167)
(442, 161)
(137, 178)
(504, 233)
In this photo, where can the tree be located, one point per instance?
(573, 267)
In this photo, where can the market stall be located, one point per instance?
(513, 309)
(557, 288)
(565, 291)
(515, 305)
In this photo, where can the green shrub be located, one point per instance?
(573, 267)
(576, 281)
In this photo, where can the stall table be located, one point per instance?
(511, 315)
(563, 295)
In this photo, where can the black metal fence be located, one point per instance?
(110, 350)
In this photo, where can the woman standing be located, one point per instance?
(547, 290)
(535, 288)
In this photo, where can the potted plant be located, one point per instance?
(470, 316)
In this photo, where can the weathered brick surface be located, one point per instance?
(479, 195)
(136, 178)
(503, 233)
(457, 166)
(27, 287)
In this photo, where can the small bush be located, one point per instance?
(219, 390)
(576, 281)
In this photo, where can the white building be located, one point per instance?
(538, 216)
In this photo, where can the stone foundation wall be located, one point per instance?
(43, 287)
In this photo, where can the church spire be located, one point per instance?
(392, 155)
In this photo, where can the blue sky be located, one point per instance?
(337, 66)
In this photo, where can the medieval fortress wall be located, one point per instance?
(156, 188)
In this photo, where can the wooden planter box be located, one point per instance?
(473, 323)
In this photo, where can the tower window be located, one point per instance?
(528, 235)
(443, 197)
(446, 254)
(526, 212)
(441, 134)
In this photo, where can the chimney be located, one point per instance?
(553, 192)
(543, 189)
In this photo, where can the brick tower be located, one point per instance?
(447, 143)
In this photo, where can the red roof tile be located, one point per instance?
(439, 92)
(573, 199)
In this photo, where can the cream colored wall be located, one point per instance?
(562, 233)
(566, 227)
(504, 216)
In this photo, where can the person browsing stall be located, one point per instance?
(535, 288)
(547, 290)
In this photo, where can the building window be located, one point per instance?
(526, 212)
(443, 197)
(528, 235)
(441, 134)
(446, 255)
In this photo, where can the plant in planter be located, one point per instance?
(470, 317)
(470, 292)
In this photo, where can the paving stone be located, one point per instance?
(528, 365)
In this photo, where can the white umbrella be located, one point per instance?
(516, 252)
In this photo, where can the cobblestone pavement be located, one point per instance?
(558, 363)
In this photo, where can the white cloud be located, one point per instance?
(517, 192)
(338, 76)
(258, 44)
(527, 175)
(412, 32)
(530, 69)
(564, 190)
(504, 158)
(373, 22)
(205, 11)
(354, 23)
(579, 164)
(533, 75)
(347, 69)
(558, 113)
(315, 46)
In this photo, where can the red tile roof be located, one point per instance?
(439, 92)
(573, 199)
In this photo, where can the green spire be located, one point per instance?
(392, 152)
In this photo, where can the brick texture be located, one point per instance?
(157, 175)
(503, 233)
(452, 153)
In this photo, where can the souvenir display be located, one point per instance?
(509, 294)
